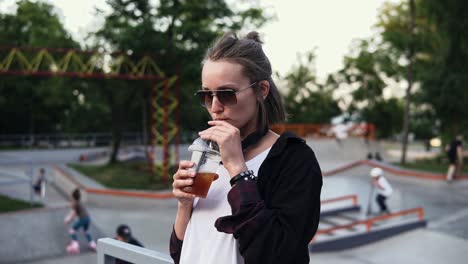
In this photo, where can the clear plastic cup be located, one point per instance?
(206, 156)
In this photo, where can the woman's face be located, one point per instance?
(219, 75)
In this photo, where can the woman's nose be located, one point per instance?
(216, 105)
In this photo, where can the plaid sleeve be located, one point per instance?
(243, 193)
(175, 247)
(245, 203)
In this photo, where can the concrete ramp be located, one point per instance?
(345, 229)
(333, 153)
(16, 183)
(37, 234)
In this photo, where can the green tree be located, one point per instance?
(366, 70)
(34, 104)
(445, 84)
(307, 101)
(362, 72)
(175, 33)
(439, 43)
(386, 115)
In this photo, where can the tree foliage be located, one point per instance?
(365, 73)
(34, 104)
(306, 100)
(439, 42)
(176, 34)
(445, 84)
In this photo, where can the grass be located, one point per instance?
(437, 165)
(128, 175)
(11, 205)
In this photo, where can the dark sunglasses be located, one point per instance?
(226, 97)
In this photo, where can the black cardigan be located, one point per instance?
(275, 218)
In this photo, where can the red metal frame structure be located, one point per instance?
(48, 62)
(352, 197)
(368, 223)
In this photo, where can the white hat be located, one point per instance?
(376, 172)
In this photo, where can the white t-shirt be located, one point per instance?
(203, 244)
(386, 187)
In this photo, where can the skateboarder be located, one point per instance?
(384, 189)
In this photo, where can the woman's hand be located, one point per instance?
(183, 178)
(228, 139)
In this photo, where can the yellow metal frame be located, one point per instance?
(30, 61)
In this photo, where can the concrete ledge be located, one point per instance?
(136, 194)
(353, 208)
(364, 238)
(392, 169)
(66, 183)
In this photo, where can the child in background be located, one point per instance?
(384, 189)
(39, 185)
(83, 221)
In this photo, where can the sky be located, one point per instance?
(328, 27)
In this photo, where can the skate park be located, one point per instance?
(106, 97)
(435, 228)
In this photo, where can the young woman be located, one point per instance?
(265, 206)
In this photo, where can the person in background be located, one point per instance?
(265, 205)
(82, 220)
(39, 185)
(378, 157)
(455, 157)
(383, 187)
(124, 234)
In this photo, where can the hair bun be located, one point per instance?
(253, 35)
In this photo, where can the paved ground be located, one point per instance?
(416, 247)
(37, 234)
(446, 208)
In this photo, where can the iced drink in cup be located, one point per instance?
(205, 155)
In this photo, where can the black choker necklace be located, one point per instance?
(253, 138)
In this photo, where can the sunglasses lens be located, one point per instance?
(227, 97)
(205, 98)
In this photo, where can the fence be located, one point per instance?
(67, 140)
(364, 130)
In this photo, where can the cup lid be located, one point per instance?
(210, 147)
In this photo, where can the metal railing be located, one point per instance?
(352, 197)
(364, 130)
(66, 140)
(368, 223)
(109, 249)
